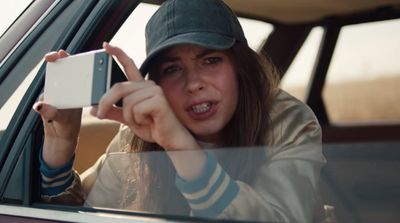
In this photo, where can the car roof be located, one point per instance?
(303, 11)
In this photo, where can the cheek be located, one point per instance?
(233, 91)
(229, 85)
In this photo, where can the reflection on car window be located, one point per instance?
(364, 76)
(130, 36)
(147, 182)
(9, 11)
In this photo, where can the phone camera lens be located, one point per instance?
(101, 61)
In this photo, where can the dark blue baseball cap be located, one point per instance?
(207, 23)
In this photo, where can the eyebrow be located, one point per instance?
(203, 53)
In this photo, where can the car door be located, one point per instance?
(44, 26)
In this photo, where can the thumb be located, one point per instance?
(47, 112)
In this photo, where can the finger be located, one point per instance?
(50, 113)
(142, 112)
(53, 56)
(131, 71)
(63, 53)
(134, 112)
(115, 114)
(118, 91)
(130, 102)
(141, 95)
(46, 111)
(37, 107)
(93, 111)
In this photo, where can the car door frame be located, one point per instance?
(85, 29)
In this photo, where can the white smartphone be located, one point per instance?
(80, 80)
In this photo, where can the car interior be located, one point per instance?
(360, 182)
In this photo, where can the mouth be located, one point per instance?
(202, 110)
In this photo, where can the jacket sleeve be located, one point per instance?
(285, 188)
(71, 195)
(65, 186)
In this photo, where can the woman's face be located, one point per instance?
(201, 86)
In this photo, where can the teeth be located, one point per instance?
(200, 108)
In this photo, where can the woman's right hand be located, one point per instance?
(61, 127)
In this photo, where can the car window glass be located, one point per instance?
(147, 182)
(297, 77)
(130, 37)
(9, 11)
(7, 111)
(364, 76)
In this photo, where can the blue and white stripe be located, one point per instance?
(56, 181)
(210, 194)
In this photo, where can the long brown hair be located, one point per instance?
(249, 126)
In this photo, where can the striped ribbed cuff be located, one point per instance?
(211, 193)
(55, 181)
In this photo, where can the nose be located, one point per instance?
(194, 82)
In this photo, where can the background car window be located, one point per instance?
(297, 77)
(130, 37)
(9, 11)
(7, 111)
(363, 81)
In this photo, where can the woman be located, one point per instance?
(204, 82)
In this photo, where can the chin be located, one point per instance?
(206, 135)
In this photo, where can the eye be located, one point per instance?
(212, 60)
(171, 69)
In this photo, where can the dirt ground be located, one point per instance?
(361, 101)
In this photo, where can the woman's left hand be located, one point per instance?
(145, 109)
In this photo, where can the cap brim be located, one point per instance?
(204, 39)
